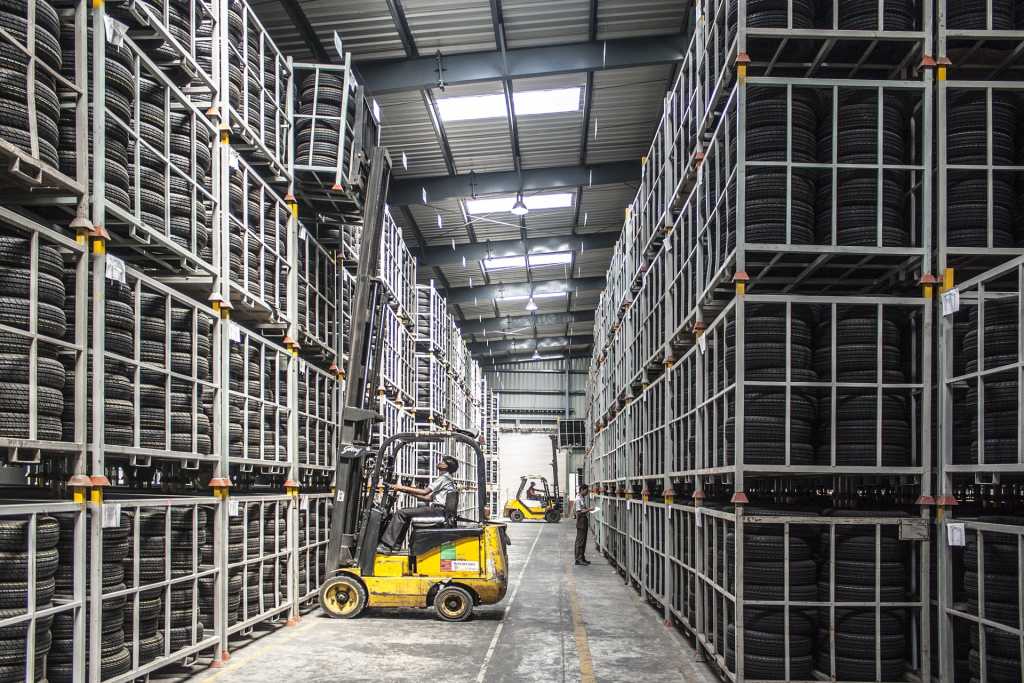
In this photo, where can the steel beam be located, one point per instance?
(492, 65)
(293, 8)
(539, 344)
(469, 295)
(446, 256)
(501, 325)
(493, 363)
(410, 190)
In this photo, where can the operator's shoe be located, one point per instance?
(585, 561)
(582, 563)
(386, 550)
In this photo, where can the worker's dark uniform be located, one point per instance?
(582, 527)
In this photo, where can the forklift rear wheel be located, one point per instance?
(453, 603)
(552, 516)
(515, 516)
(343, 597)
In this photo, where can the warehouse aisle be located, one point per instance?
(563, 623)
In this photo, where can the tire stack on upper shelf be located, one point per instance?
(16, 276)
(29, 112)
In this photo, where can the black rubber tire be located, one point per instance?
(14, 533)
(766, 548)
(14, 564)
(14, 594)
(999, 669)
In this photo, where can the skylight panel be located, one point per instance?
(527, 103)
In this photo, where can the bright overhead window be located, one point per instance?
(537, 202)
(504, 262)
(551, 259)
(528, 103)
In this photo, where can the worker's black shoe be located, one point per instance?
(585, 561)
(582, 563)
(386, 550)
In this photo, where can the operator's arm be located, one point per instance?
(421, 494)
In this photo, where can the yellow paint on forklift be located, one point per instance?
(391, 565)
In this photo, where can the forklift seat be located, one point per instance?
(447, 519)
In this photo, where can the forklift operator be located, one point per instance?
(434, 495)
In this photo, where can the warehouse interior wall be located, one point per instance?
(525, 454)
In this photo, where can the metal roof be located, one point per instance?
(562, 44)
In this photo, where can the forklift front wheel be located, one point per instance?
(553, 516)
(453, 603)
(515, 515)
(343, 597)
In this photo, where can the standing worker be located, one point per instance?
(583, 510)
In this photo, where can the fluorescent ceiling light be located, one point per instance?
(541, 295)
(504, 262)
(537, 202)
(551, 259)
(527, 103)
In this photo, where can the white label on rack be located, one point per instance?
(340, 497)
(115, 30)
(956, 534)
(235, 332)
(700, 518)
(111, 515)
(702, 342)
(233, 158)
(951, 301)
(302, 233)
(115, 269)
(233, 508)
(303, 503)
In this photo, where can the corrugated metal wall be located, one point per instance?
(534, 392)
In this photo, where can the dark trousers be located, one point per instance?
(395, 532)
(582, 527)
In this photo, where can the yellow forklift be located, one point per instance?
(544, 506)
(452, 563)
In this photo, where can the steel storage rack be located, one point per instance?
(980, 477)
(154, 348)
(760, 415)
(337, 128)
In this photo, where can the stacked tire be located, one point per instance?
(257, 103)
(1001, 409)
(176, 23)
(190, 404)
(170, 201)
(1007, 15)
(316, 141)
(120, 96)
(15, 304)
(119, 338)
(857, 199)
(766, 206)
(857, 413)
(266, 579)
(14, 565)
(153, 558)
(207, 584)
(14, 92)
(115, 657)
(765, 352)
(1001, 579)
(966, 144)
(856, 562)
(764, 549)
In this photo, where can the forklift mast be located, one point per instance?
(554, 473)
(357, 412)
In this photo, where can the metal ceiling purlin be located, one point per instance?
(410, 191)
(476, 67)
(538, 344)
(501, 325)
(469, 295)
(446, 256)
(438, 273)
(489, 361)
(293, 9)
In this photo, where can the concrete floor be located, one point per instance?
(559, 622)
